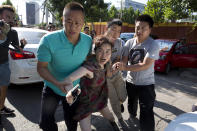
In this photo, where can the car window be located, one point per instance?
(193, 49)
(178, 45)
(165, 45)
(30, 36)
(126, 36)
(182, 50)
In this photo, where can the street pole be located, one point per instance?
(121, 10)
(99, 15)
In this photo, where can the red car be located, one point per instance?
(175, 54)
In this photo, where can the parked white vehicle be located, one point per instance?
(184, 122)
(23, 66)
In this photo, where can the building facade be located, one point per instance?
(135, 5)
(32, 13)
(127, 4)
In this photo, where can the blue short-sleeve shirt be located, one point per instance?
(62, 56)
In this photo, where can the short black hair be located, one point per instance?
(86, 27)
(146, 18)
(74, 6)
(6, 7)
(114, 22)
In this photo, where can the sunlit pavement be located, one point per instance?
(175, 95)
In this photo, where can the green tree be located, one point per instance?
(137, 13)
(128, 15)
(176, 9)
(113, 13)
(191, 4)
(7, 2)
(155, 8)
(169, 10)
(94, 9)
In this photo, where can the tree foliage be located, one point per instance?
(113, 13)
(155, 8)
(94, 9)
(191, 4)
(176, 9)
(7, 2)
(129, 15)
(169, 10)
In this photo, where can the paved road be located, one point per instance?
(175, 95)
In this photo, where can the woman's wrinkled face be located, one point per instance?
(103, 54)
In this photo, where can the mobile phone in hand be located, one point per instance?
(75, 91)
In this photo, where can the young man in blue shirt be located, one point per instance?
(61, 53)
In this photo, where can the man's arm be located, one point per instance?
(45, 74)
(140, 66)
(80, 72)
(77, 74)
(147, 62)
(14, 35)
(15, 40)
(149, 59)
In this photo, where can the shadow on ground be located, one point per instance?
(26, 99)
(169, 108)
(175, 83)
(6, 125)
(99, 123)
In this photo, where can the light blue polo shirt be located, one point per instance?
(62, 56)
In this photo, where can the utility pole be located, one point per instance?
(99, 9)
(44, 11)
(46, 15)
(121, 9)
(99, 15)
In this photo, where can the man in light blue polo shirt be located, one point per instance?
(60, 53)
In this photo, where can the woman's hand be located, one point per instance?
(69, 97)
(89, 74)
(120, 66)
